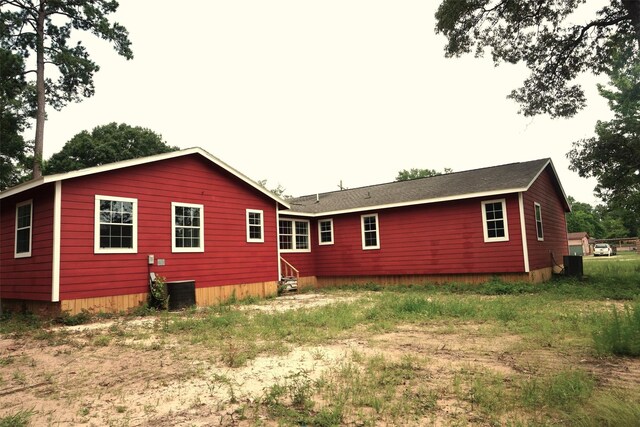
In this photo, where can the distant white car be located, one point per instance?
(603, 249)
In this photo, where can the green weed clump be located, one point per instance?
(561, 390)
(619, 333)
(607, 409)
(19, 419)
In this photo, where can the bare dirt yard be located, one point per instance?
(123, 373)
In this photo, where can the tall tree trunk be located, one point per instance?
(38, 145)
(633, 7)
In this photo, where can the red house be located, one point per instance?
(506, 221)
(89, 239)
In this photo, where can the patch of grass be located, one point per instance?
(561, 390)
(619, 333)
(19, 419)
(81, 318)
(607, 409)
(102, 340)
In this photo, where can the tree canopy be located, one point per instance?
(545, 37)
(413, 173)
(106, 144)
(613, 155)
(14, 113)
(600, 221)
(44, 28)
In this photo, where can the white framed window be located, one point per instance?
(187, 227)
(325, 232)
(116, 225)
(294, 235)
(538, 212)
(370, 231)
(255, 231)
(24, 226)
(494, 220)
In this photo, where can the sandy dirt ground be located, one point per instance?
(149, 383)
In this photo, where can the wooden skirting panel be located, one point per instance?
(219, 294)
(44, 309)
(542, 275)
(536, 276)
(112, 304)
(204, 297)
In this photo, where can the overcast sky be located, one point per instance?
(308, 94)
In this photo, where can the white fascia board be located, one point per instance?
(403, 204)
(240, 175)
(555, 174)
(140, 161)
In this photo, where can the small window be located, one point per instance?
(294, 235)
(24, 221)
(494, 213)
(370, 238)
(116, 225)
(539, 230)
(187, 227)
(254, 226)
(325, 232)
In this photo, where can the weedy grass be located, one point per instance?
(19, 419)
(618, 332)
(596, 316)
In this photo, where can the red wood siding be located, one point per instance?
(227, 257)
(29, 277)
(554, 246)
(440, 238)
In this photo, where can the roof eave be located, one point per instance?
(403, 204)
(140, 161)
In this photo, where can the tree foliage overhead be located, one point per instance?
(613, 155)
(414, 173)
(14, 114)
(44, 28)
(544, 36)
(106, 144)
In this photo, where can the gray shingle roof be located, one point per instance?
(501, 179)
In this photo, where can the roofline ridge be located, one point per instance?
(420, 178)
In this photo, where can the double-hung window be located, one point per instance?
(255, 232)
(116, 225)
(538, 213)
(294, 235)
(325, 232)
(370, 231)
(494, 220)
(24, 222)
(187, 227)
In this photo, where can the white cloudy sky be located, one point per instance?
(307, 94)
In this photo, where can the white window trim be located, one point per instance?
(96, 235)
(505, 238)
(15, 246)
(293, 235)
(249, 238)
(174, 248)
(320, 221)
(377, 246)
(538, 208)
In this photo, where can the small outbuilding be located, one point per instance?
(579, 243)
